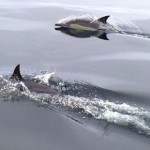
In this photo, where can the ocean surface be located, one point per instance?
(105, 101)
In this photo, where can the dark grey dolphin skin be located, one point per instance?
(85, 24)
(30, 84)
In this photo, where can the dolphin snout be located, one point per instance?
(58, 24)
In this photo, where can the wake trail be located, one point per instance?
(115, 112)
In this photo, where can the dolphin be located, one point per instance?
(30, 84)
(85, 23)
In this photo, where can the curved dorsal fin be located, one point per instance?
(16, 74)
(103, 19)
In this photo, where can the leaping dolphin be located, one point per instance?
(84, 27)
(84, 23)
(30, 84)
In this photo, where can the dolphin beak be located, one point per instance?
(61, 28)
(57, 24)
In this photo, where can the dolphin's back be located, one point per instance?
(39, 88)
(30, 84)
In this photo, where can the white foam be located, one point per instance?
(44, 78)
(120, 114)
(117, 113)
(124, 25)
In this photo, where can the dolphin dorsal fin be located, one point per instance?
(16, 74)
(103, 19)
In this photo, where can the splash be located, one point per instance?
(122, 114)
(124, 26)
(44, 78)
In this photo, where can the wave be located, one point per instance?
(78, 96)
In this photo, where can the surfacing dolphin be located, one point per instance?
(80, 23)
(85, 27)
(30, 84)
